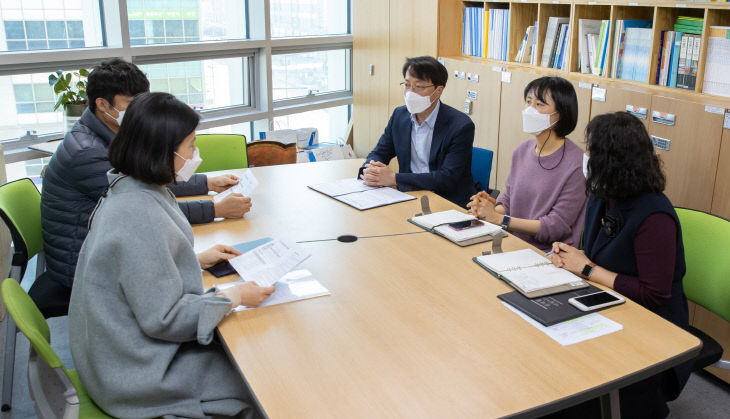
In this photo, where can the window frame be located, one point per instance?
(259, 48)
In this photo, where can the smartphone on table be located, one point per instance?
(463, 225)
(596, 300)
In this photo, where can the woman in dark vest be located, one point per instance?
(632, 242)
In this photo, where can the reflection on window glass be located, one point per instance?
(308, 17)
(331, 123)
(206, 84)
(59, 24)
(167, 22)
(301, 74)
(28, 107)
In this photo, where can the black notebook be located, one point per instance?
(550, 309)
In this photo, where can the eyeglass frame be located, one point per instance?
(414, 88)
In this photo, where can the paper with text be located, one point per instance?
(247, 182)
(576, 330)
(294, 286)
(269, 262)
(342, 187)
(374, 198)
(528, 270)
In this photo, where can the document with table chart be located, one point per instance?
(246, 184)
(530, 273)
(438, 223)
(355, 193)
(269, 262)
(294, 286)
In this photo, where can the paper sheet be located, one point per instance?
(576, 330)
(294, 286)
(375, 198)
(247, 182)
(269, 262)
(342, 187)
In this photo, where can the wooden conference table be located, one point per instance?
(413, 327)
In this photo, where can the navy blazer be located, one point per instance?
(449, 162)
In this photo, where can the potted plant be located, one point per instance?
(71, 94)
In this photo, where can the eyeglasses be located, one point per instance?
(414, 87)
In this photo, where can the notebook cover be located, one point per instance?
(551, 309)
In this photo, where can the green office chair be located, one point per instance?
(221, 152)
(706, 238)
(20, 208)
(57, 392)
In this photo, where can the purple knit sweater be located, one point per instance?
(555, 197)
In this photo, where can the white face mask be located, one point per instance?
(417, 103)
(585, 165)
(189, 168)
(119, 118)
(534, 122)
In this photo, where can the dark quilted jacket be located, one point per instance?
(73, 182)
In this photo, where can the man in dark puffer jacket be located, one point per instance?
(76, 178)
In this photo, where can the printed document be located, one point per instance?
(269, 262)
(294, 286)
(342, 187)
(374, 198)
(247, 182)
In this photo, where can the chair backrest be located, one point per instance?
(481, 166)
(706, 240)
(221, 152)
(20, 208)
(30, 321)
(270, 153)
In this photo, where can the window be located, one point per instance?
(58, 24)
(331, 123)
(207, 84)
(309, 17)
(166, 22)
(307, 73)
(222, 70)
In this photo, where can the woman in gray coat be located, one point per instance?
(141, 325)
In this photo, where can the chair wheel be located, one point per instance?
(5, 407)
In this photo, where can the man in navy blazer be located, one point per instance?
(432, 141)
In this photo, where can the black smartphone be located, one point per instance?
(462, 225)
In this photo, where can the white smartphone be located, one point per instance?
(596, 300)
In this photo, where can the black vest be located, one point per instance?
(608, 240)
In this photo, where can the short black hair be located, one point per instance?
(115, 77)
(566, 101)
(622, 163)
(426, 68)
(153, 127)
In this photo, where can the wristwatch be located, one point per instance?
(505, 222)
(587, 270)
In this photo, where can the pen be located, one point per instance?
(552, 252)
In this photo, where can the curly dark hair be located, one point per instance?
(622, 163)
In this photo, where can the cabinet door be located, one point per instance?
(413, 32)
(510, 123)
(369, 84)
(618, 98)
(691, 162)
(721, 196)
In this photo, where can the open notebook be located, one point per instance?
(530, 273)
(356, 194)
(438, 223)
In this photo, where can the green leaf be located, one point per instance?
(52, 79)
(81, 86)
(84, 72)
(68, 77)
(77, 74)
(59, 86)
(58, 103)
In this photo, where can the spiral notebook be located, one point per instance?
(530, 273)
(438, 223)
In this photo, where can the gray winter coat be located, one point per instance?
(141, 326)
(73, 182)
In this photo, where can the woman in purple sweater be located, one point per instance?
(544, 200)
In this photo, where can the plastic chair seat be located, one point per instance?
(711, 350)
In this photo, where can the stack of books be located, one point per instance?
(473, 42)
(679, 54)
(527, 52)
(592, 45)
(555, 49)
(632, 50)
(497, 21)
(717, 64)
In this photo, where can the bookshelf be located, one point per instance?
(523, 13)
